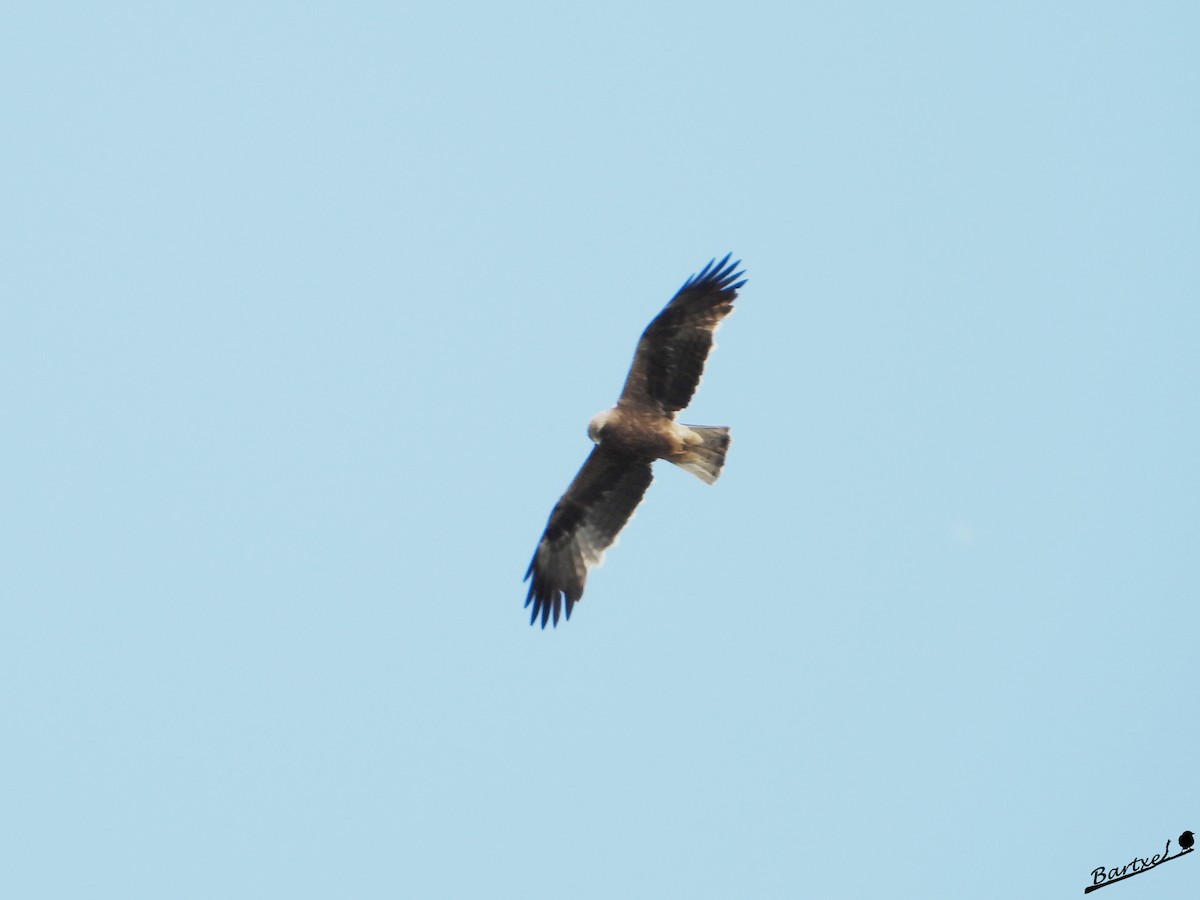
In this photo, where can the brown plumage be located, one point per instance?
(641, 428)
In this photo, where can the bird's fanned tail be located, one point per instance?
(706, 458)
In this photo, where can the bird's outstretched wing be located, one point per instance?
(670, 356)
(584, 523)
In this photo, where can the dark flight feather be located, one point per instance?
(672, 351)
(584, 524)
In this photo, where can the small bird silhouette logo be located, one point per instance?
(1186, 840)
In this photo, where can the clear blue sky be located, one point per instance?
(306, 308)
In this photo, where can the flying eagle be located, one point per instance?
(641, 428)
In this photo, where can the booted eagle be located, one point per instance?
(641, 428)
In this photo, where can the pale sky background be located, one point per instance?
(306, 308)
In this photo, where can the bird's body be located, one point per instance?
(629, 437)
(636, 432)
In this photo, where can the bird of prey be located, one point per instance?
(641, 428)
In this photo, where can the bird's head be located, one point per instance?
(599, 420)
